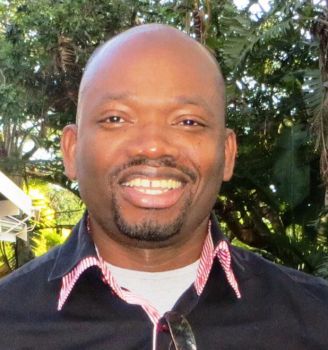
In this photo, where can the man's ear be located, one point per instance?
(230, 154)
(68, 148)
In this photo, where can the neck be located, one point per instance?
(182, 252)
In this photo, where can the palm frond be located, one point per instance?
(66, 55)
(322, 267)
(313, 89)
(243, 36)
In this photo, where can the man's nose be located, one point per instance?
(153, 142)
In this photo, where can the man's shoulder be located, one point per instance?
(279, 278)
(33, 272)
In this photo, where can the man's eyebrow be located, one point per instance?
(193, 100)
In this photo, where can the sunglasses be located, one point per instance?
(182, 335)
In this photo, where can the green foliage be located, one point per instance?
(274, 204)
(58, 211)
(291, 172)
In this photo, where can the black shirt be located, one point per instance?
(279, 308)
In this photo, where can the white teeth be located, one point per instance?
(144, 183)
(153, 185)
(151, 191)
(156, 183)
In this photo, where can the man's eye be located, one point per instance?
(115, 119)
(190, 122)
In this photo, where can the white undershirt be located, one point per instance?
(161, 289)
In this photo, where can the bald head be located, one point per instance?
(155, 43)
(150, 149)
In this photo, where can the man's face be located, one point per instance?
(149, 153)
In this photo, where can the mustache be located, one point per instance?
(166, 162)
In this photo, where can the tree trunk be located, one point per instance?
(23, 252)
(320, 123)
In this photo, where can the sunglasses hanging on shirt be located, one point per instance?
(182, 335)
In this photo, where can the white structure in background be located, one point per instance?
(14, 203)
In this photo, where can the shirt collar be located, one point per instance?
(216, 233)
(78, 246)
(79, 253)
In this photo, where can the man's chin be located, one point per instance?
(152, 227)
(149, 232)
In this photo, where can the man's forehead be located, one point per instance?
(155, 35)
(169, 42)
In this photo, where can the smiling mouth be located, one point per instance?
(153, 186)
(152, 193)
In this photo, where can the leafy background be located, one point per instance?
(273, 55)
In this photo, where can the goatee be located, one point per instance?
(150, 230)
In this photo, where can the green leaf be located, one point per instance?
(291, 170)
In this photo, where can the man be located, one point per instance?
(147, 267)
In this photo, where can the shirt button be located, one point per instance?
(163, 327)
